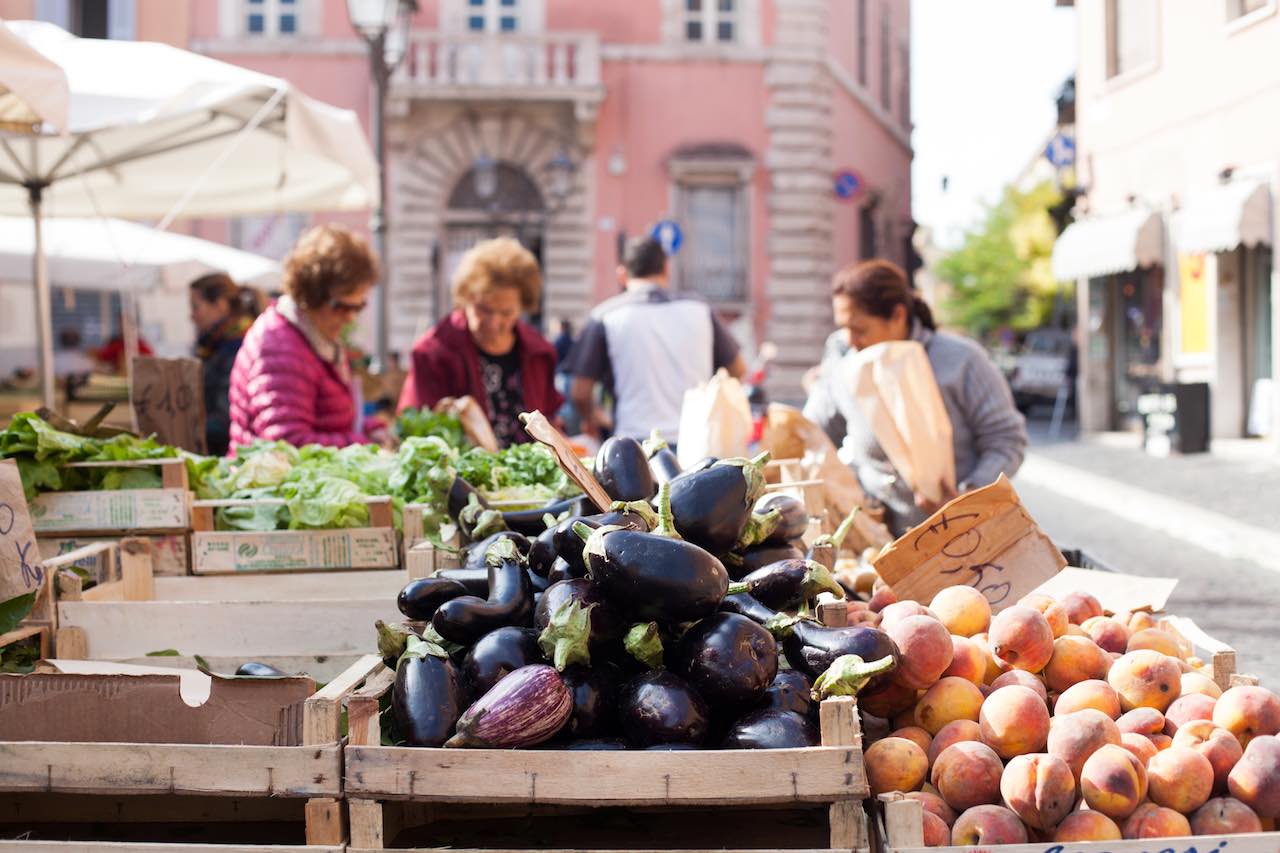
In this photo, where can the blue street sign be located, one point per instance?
(668, 233)
(1061, 151)
(847, 184)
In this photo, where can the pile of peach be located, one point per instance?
(1141, 743)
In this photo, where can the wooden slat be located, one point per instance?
(137, 847)
(324, 821)
(322, 713)
(71, 643)
(136, 570)
(710, 777)
(367, 830)
(299, 586)
(40, 807)
(903, 821)
(221, 770)
(363, 725)
(840, 723)
(70, 558)
(848, 820)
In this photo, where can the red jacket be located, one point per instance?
(445, 363)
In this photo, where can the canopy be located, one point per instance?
(34, 90)
(1105, 245)
(1224, 218)
(111, 254)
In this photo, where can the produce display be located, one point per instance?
(636, 628)
(1053, 722)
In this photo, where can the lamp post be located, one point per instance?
(384, 25)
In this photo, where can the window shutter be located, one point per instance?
(122, 20)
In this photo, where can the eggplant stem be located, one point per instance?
(567, 637)
(760, 526)
(837, 538)
(654, 443)
(640, 508)
(503, 551)
(847, 675)
(737, 588)
(583, 531)
(818, 579)
(666, 521)
(644, 643)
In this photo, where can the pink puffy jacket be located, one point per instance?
(281, 389)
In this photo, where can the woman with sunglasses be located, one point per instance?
(292, 379)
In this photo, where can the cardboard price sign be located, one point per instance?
(168, 399)
(21, 567)
(1114, 591)
(984, 539)
(541, 430)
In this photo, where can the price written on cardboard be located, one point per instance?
(984, 539)
(168, 401)
(21, 569)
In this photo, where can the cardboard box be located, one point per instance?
(294, 550)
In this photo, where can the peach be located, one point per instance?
(1113, 781)
(1194, 706)
(1160, 741)
(896, 612)
(1140, 745)
(1145, 679)
(1143, 721)
(1039, 789)
(1052, 610)
(1095, 693)
(1021, 678)
(1214, 743)
(1157, 641)
(1077, 736)
(1075, 659)
(963, 609)
(968, 661)
(1224, 816)
(1152, 821)
(1021, 638)
(1109, 634)
(994, 668)
(1087, 826)
(887, 699)
(951, 699)
(904, 719)
(1014, 721)
(1080, 606)
(968, 774)
(1180, 778)
(936, 831)
(935, 805)
(1141, 621)
(1247, 712)
(882, 598)
(1255, 780)
(916, 735)
(1198, 682)
(984, 825)
(925, 650)
(952, 733)
(1074, 630)
(895, 764)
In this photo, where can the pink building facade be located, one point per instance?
(731, 117)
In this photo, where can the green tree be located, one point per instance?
(1001, 276)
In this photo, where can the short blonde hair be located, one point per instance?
(328, 262)
(501, 262)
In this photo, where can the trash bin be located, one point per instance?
(1176, 420)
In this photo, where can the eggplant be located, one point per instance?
(793, 518)
(497, 654)
(790, 692)
(524, 709)
(743, 604)
(473, 556)
(663, 464)
(711, 508)
(602, 744)
(475, 581)
(542, 553)
(461, 494)
(561, 570)
(637, 515)
(811, 648)
(576, 623)
(256, 669)
(661, 708)
(531, 522)
(729, 660)
(510, 602)
(754, 559)
(701, 465)
(788, 583)
(623, 470)
(772, 729)
(826, 548)
(420, 598)
(657, 577)
(428, 695)
(595, 701)
(539, 584)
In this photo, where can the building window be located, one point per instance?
(271, 18)
(1131, 35)
(867, 232)
(886, 56)
(862, 43)
(711, 21)
(713, 264)
(1240, 8)
(493, 16)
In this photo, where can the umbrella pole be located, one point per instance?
(44, 303)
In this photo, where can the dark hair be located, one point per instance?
(217, 286)
(879, 286)
(644, 258)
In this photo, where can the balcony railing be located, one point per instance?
(446, 64)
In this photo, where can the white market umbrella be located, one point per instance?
(34, 90)
(153, 131)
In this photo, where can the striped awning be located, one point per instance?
(1104, 245)
(1225, 218)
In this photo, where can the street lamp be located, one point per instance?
(560, 176)
(384, 25)
(484, 176)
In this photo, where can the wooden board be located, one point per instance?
(300, 586)
(159, 847)
(294, 550)
(425, 559)
(118, 512)
(169, 552)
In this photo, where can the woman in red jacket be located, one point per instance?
(483, 349)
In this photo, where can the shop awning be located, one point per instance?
(1224, 218)
(1104, 245)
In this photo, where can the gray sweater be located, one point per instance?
(989, 436)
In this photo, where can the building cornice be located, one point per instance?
(895, 130)
(280, 46)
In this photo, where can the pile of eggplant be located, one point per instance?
(678, 619)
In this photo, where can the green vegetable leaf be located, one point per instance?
(165, 653)
(13, 611)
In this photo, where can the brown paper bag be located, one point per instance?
(474, 423)
(715, 420)
(898, 394)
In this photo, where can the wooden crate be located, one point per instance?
(119, 512)
(464, 794)
(170, 552)
(258, 743)
(800, 480)
(229, 552)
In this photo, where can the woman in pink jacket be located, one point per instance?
(292, 379)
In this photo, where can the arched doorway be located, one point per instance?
(511, 206)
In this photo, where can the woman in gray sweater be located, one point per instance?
(874, 303)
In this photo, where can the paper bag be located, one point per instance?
(898, 394)
(474, 423)
(715, 420)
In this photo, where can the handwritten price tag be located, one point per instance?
(21, 569)
(984, 539)
(541, 430)
(168, 400)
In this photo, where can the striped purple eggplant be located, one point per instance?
(524, 709)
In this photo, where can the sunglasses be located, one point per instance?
(347, 307)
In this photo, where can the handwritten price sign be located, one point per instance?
(984, 539)
(168, 400)
(21, 569)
